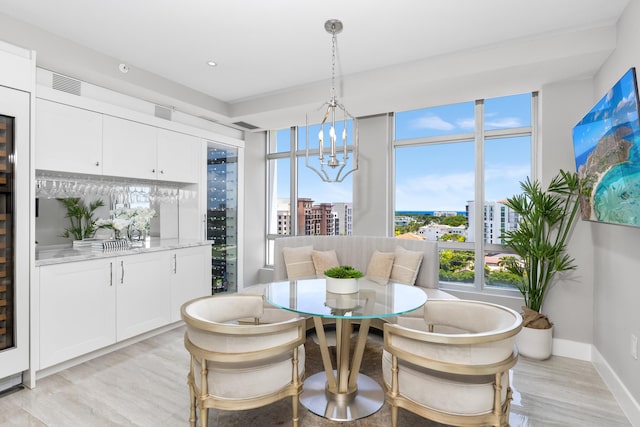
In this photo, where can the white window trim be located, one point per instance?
(478, 137)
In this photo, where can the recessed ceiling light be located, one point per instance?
(212, 63)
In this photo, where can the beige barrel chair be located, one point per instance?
(453, 367)
(238, 366)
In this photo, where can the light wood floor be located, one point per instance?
(145, 385)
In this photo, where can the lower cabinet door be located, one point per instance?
(77, 309)
(190, 276)
(143, 293)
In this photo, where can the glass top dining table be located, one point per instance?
(309, 297)
(342, 394)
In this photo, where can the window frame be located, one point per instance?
(479, 136)
(294, 154)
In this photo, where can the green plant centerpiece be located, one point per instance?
(82, 225)
(343, 272)
(540, 240)
(342, 279)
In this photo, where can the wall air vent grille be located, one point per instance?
(246, 125)
(66, 84)
(163, 112)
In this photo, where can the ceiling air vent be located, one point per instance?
(66, 84)
(246, 125)
(163, 112)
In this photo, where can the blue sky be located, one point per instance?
(441, 177)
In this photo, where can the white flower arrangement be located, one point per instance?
(124, 218)
(139, 218)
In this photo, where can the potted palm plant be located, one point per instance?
(540, 243)
(82, 225)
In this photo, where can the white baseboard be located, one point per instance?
(629, 405)
(11, 381)
(572, 349)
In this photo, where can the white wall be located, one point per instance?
(569, 302)
(255, 207)
(616, 255)
(371, 214)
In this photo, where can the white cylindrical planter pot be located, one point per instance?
(342, 286)
(535, 343)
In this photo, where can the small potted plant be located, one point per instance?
(342, 279)
(540, 241)
(82, 225)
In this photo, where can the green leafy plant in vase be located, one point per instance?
(342, 279)
(81, 222)
(343, 272)
(540, 241)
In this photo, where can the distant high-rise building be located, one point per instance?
(344, 218)
(324, 219)
(497, 218)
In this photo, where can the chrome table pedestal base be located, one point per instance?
(368, 399)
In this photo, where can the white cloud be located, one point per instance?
(505, 122)
(435, 191)
(432, 122)
(468, 123)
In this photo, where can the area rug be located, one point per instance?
(279, 413)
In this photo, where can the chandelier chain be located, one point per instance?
(333, 64)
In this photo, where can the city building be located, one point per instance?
(498, 218)
(434, 232)
(344, 218)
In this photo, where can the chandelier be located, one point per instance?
(333, 160)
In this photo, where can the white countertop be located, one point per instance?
(58, 254)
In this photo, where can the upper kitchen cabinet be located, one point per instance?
(178, 156)
(68, 139)
(128, 148)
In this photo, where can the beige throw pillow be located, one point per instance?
(406, 265)
(324, 260)
(298, 262)
(380, 266)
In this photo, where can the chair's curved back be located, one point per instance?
(461, 355)
(241, 366)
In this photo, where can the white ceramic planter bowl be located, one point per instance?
(342, 301)
(342, 286)
(535, 343)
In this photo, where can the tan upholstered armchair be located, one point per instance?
(239, 366)
(453, 367)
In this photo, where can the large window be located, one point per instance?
(300, 203)
(454, 166)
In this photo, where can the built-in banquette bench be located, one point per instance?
(357, 251)
(365, 253)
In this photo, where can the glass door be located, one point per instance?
(7, 318)
(222, 215)
(14, 197)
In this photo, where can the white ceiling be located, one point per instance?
(268, 48)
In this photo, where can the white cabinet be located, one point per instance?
(88, 305)
(190, 276)
(143, 296)
(178, 156)
(67, 139)
(128, 148)
(77, 309)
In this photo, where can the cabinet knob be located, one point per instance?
(97, 163)
(161, 171)
(153, 170)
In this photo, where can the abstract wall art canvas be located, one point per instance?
(607, 151)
